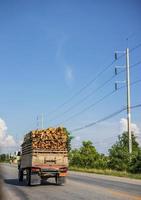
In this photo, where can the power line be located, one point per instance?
(97, 102)
(136, 106)
(105, 118)
(133, 83)
(136, 64)
(136, 47)
(100, 120)
(85, 98)
(89, 107)
(86, 85)
(131, 67)
(93, 80)
(94, 91)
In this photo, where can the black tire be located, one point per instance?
(28, 177)
(60, 180)
(20, 175)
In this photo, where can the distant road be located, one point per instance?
(79, 186)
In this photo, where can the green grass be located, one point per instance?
(106, 172)
(1, 161)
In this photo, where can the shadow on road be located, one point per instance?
(17, 183)
(14, 182)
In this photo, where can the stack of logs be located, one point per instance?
(52, 139)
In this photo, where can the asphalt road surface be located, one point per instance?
(79, 186)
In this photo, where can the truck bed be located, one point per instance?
(44, 159)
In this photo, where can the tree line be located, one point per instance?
(88, 157)
(4, 157)
(118, 157)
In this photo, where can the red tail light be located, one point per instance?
(63, 169)
(35, 169)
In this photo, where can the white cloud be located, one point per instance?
(65, 68)
(69, 75)
(3, 129)
(76, 142)
(20, 142)
(9, 141)
(134, 128)
(77, 138)
(123, 126)
(61, 41)
(6, 140)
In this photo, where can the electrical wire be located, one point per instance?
(85, 86)
(93, 92)
(85, 98)
(133, 83)
(93, 80)
(105, 118)
(100, 120)
(97, 102)
(131, 67)
(136, 64)
(89, 107)
(136, 106)
(136, 47)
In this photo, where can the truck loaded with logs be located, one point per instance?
(44, 154)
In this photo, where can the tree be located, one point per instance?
(86, 156)
(75, 158)
(102, 162)
(69, 139)
(4, 157)
(89, 155)
(135, 164)
(119, 157)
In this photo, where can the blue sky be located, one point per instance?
(49, 50)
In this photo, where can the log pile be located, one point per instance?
(51, 139)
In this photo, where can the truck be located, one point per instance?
(44, 155)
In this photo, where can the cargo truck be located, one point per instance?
(44, 155)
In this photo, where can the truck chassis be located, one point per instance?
(35, 175)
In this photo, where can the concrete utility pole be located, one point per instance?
(128, 94)
(42, 120)
(128, 100)
(37, 122)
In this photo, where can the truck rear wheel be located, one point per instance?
(60, 180)
(28, 177)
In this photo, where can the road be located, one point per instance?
(79, 186)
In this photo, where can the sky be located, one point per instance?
(50, 55)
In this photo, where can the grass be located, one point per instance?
(1, 161)
(106, 172)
